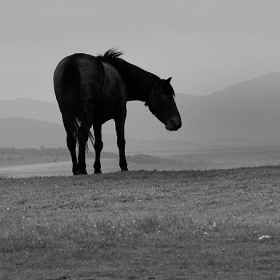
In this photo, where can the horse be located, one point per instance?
(90, 90)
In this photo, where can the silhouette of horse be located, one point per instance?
(92, 90)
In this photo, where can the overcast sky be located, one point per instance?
(205, 45)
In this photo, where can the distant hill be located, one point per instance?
(248, 111)
(29, 108)
(30, 133)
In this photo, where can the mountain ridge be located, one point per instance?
(248, 110)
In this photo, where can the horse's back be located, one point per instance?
(102, 91)
(90, 68)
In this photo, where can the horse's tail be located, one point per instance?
(70, 103)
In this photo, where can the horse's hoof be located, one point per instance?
(98, 172)
(75, 171)
(125, 169)
(84, 172)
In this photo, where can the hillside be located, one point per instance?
(29, 108)
(27, 133)
(213, 224)
(248, 111)
(30, 133)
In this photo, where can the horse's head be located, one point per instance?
(162, 104)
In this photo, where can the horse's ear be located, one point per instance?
(168, 80)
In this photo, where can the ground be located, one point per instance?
(215, 224)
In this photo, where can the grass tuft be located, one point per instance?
(18, 233)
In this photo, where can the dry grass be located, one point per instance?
(218, 224)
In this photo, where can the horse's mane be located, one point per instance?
(135, 77)
(112, 53)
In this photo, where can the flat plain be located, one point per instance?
(211, 224)
(22, 165)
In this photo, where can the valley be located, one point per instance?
(17, 165)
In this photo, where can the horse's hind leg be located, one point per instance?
(71, 144)
(98, 146)
(83, 138)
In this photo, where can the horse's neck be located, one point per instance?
(139, 83)
(141, 91)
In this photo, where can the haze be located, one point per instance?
(204, 45)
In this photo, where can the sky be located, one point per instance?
(205, 45)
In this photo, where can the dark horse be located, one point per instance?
(92, 90)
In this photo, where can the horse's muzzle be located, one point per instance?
(173, 126)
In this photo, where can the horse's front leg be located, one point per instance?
(98, 146)
(119, 122)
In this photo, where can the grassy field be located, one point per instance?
(215, 224)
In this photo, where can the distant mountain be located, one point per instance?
(30, 133)
(249, 110)
(29, 108)
(246, 111)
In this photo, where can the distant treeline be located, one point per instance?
(35, 152)
(64, 152)
(58, 152)
(147, 159)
